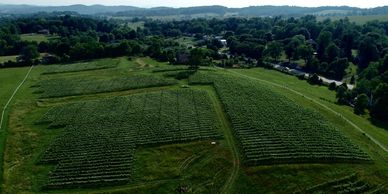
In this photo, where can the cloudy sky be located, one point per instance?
(188, 3)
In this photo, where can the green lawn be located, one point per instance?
(283, 58)
(36, 37)
(8, 58)
(350, 71)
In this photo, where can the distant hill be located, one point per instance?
(131, 11)
(81, 9)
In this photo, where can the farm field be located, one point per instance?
(277, 130)
(109, 130)
(127, 126)
(319, 93)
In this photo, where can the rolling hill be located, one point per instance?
(132, 11)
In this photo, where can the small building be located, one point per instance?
(224, 42)
(49, 59)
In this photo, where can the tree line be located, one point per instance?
(326, 47)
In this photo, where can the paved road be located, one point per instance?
(299, 72)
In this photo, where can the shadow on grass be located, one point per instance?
(379, 123)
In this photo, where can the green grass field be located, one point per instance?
(9, 79)
(136, 25)
(8, 58)
(357, 19)
(36, 37)
(200, 166)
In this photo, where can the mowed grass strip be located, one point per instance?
(348, 184)
(82, 66)
(72, 86)
(271, 129)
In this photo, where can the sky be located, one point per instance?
(189, 3)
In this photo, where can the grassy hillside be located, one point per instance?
(308, 175)
(357, 19)
(9, 79)
(321, 94)
(180, 136)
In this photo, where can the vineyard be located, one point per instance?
(59, 87)
(271, 129)
(100, 137)
(345, 185)
(84, 66)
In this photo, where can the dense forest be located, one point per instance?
(326, 47)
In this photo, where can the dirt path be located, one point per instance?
(12, 96)
(316, 102)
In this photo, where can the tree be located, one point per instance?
(124, 48)
(332, 52)
(352, 80)
(324, 39)
(291, 49)
(384, 65)
(29, 53)
(315, 80)
(197, 57)
(332, 86)
(274, 50)
(380, 107)
(368, 52)
(306, 52)
(337, 68)
(361, 104)
(342, 95)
